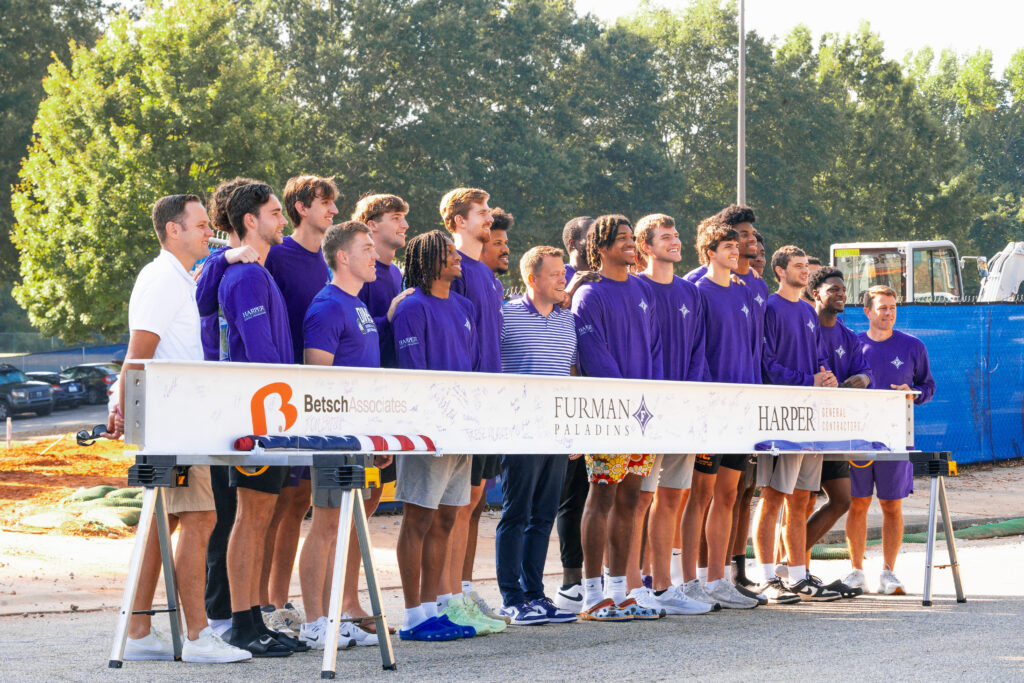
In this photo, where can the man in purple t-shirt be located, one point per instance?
(434, 330)
(897, 361)
(845, 359)
(468, 218)
(298, 267)
(338, 331)
(730, 342)
(794, 355)
(618, 336)
(257, 332)
(680, 312)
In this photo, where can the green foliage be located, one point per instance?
(171, 104)
(553, 113)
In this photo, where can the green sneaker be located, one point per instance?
(456, 613)
(474, 612)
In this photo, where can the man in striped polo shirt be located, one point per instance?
(538, 337)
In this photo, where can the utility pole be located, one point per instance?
(741, 116)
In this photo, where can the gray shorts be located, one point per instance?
(428, 481)
(670, 470)
(784, 473)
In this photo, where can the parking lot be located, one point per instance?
(61, 421)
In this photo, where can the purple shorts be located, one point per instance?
(297, 474)
(889, 480)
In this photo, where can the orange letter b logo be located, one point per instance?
(259, 414)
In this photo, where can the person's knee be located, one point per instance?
(199, 524)
(601, 498)
(859, 505)
(771, 500)
(840, 501)
(891, 508)
(447, 515)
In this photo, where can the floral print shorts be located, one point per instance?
(611, 469)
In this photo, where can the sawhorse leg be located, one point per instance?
(937, 503)
(352, 510)
(152, 506)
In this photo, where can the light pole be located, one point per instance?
(741, 117)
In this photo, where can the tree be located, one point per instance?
(172, 103)
(35, 33)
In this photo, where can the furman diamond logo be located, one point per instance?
(840, 351)
(684, 310)
(643, 415)
(897, 362)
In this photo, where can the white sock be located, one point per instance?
(797, 572)
(712, 585)
(768, 570)
(727, 573)
(467, 586)
(429, 609)
(676, 567)
(442, 601)
(414, 616)
(219, 626)
(592, 592)
(615, 588)
(605, 572)
(702, 574)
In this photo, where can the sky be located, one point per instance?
(903, 24)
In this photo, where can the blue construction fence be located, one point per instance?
(977, 359)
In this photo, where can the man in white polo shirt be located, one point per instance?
(164, 321)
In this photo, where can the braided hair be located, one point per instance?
(425, 256)
(602, 236)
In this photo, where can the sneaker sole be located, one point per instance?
(895, 591)
(784, 601)
(148, 658)
(812, 598)
(216, 660)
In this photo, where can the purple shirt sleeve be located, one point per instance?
(209, 282)
(409, 327)
(595, 360)
(698, 370)
(923, 380)
(249, 302)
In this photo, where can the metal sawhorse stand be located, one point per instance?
(346, 471)
(938, 466)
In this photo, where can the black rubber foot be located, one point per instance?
(393, 667)
(926, 603)
(962, 600)
(114, 664)
(326, 674)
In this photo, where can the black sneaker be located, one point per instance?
(777, 592)
(293, 644)
(259, 645)
(743, 590)
(811, 590)
(845, 592)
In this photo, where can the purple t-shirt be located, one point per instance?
(569, 272)
(206, 299)
(339, 323)
(759, 289)
(256, 315)
(696, 274)
(681, 312)
(793, 351)
(300, 274)
(617, 330)
(484, 291)
(377, 296)
(900, 359)
(729, 335)
(845, 358)
(436, 334)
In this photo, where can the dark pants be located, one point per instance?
(570, 513)
(218, 595)
(530, 488)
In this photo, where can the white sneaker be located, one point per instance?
(694, 591)
(570, 599)
(314, 634)
(726, 595)
(350, 630)
(856, 579)
(674, 602)
(888, 584)
(154, 647)
(208, 648)
(638, 594)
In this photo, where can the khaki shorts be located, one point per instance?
(611, 469)
(196, 497)
(671, 471)
(427, 480)
(785, 473)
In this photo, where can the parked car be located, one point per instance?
(97, 378)
(19, 394)
(68, 393)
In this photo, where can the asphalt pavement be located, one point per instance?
(870, 638)
(61, 421)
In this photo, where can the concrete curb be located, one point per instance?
(838, 535)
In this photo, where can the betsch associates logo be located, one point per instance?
(258, 406)
(586, 416)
